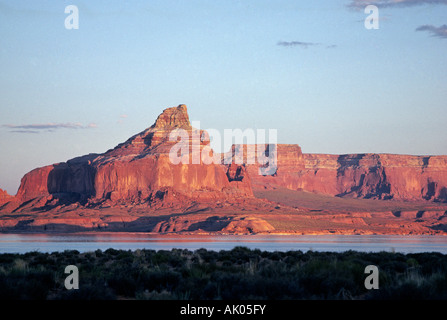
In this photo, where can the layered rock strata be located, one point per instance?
(163, 166)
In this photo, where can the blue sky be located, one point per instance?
(336, 88)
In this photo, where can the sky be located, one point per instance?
(309, 69)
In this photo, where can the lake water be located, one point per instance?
(21, 243)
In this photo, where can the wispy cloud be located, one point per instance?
(297, 44)
(48, 127)
(361, 4)
(24, 131)
(302, 44)
(440, 32)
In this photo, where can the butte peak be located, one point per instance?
(175, 117)
(155, 139)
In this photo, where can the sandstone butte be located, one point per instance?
(136, 187)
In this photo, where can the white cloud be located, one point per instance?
(49, 127)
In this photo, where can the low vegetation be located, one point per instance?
(240, 273)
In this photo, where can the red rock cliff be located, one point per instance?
(378, 176)
(138, 171)
(4, 197)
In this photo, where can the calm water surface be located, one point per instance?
(21, 243)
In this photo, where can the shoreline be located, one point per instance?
(218, 234)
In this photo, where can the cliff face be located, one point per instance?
(139, 170)
(377, 176)
(394, 176)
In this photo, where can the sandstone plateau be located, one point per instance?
(136, 187)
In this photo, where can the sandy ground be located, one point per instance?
(279, 211)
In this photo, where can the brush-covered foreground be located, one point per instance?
(240, 273)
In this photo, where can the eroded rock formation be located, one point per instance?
(145, 172)
(371, 176)
(137, 171)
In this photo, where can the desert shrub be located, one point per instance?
(43, 260)
(210, 291)
(275, 256)
(7, 258)
(159, 280)
(161, 257)
(112, 252)
(192, 287)
(99, 253)
(430, 262)
(156, 295)
(207, 256)
(293, 257)
(93, 291)
(326, 278)
(123, 284)
(239, 273)
(31, 285)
